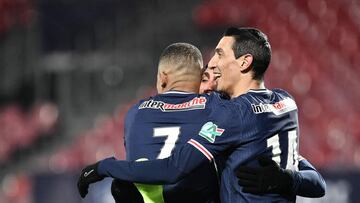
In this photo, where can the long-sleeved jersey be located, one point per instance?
(259, 122)
(158, 125)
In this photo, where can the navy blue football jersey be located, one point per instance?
(259, 122)
(155, 127)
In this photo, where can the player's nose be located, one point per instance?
(212, 62)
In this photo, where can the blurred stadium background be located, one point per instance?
(69, 69)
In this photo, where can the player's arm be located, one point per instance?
(270, 178)
(309, 181)
(161, 171)
(185, 159)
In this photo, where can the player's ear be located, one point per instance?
(163, 79)
(244, 62)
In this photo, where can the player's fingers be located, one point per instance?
(247, 170)
(252, 190)
(82, 188)
(83, 191)
(266, 161)
(246, 176)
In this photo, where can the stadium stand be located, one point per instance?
(315, 57)
(314, 44)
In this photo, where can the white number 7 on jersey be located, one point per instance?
(172, 134)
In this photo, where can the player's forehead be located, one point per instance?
(225, 44)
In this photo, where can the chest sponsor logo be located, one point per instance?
(277, 108)
(210, 131)
(194, 104)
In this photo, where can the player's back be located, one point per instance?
(267, 125)
(257, 123)
(155, 126)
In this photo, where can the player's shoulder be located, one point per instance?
(133, 109)
(137, 105)
(282, 92)
(255, 97)
(264, 94)
(217, 101)
(141, 101)
(222, 108)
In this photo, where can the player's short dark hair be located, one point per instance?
(252, 41)
(183, 54)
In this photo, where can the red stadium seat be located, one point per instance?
(309, 37)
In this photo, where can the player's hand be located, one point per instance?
(269, 178)
(88, 175)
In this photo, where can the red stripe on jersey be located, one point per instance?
(219, 130)
(202, 149)
(300, 158)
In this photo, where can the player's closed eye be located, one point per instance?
(219, 52)
(205, 77)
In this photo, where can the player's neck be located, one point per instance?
(191, 87)
(245, 86)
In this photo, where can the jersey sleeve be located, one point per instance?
(308, 182)
(220, 132)
(159, 171)
(185, 159)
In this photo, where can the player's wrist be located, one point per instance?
(103, 165)
(287, 182)
(295, 181)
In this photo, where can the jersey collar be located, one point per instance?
(177, 92)
(259, 90)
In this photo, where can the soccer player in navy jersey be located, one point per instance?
(256, 121)
(154, 127)
(266, 178)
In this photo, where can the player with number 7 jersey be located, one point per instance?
(160, 124)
